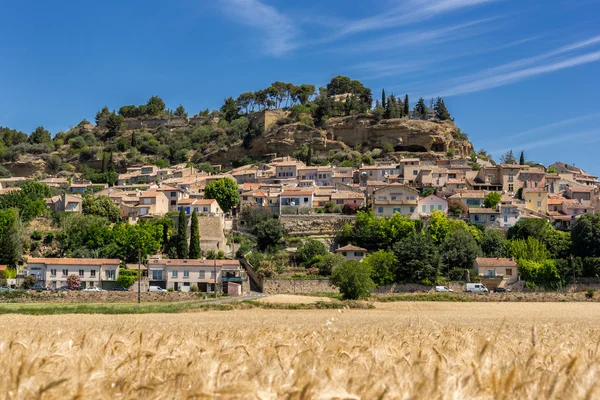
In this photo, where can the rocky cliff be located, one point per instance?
(405, 135)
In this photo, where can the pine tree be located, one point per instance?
(391, 110)
(406, 106)
(420, 110)
(383, 98)
(182, 243)
(441, 112)
(522, 159)
(195, 252)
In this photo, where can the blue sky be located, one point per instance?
(520, 75)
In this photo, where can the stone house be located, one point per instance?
(392, 199)
(152, 202)
(496, 272)
(53, 272)
(485, 216)
(71, 203)
(536, 200)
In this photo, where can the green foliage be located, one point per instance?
(493, 244)
(326, 263)
(418, 258)
(586, 236)
(591, 267)
(11, 230)
(225, 191)
(101, 206)
(28, 282)
(551, 171)
(268, 233)
(374, 233)
(114, 124)
(230, 109)
(420, 111)
(441, 112)
(492, 199)
(354, 280)
(460, 249)
(40, 136)
(180, 111)
(29, 200)
(508, 158)
(182, 242)
(195, 251)
(540, 273)
(127, 277)
(382, 265)
(456, 208)
(529, 249)
(531, 227)
(309, 250)
(522, 158)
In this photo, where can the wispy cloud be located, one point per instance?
(556, 60)
(554, 125)
(592, 137)
(280, 32)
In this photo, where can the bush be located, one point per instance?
(457, 274)
(28, 282)
(350, 208)
(353, 279)
(36, 235)
(49, 237)
(170, 289)
(194, 289)
(74, 282)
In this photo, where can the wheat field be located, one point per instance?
(397, 351)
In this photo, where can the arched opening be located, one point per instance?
(411, 149)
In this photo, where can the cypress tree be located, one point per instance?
(420, 110)
(383, 98)
(406, 106)
(441, 112)
(182, 243)
(522, 159)
(194, 238)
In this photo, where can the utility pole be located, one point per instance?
(139, 276)
(215, 271)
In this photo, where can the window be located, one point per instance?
(431, 208)
(344, 253)
(204, 209)
(93, 273)
(186, 274)
(476, 218)
(511, 187)
(173, 202)
(173, 194)
(505, 218)
(358, 254)
(380, 210)
(510, 178)
(539, 203)
(52, 272)
(396, 210)
(81, 272)
(508, 271)
(65, 272)
(212, 274)
(306, 199)
(535, 184)
(157, 275)
(440, 207)
(202, 274)
(415, 172)
(423, 208)
(393, 197)
(110, 274)
(174, 274)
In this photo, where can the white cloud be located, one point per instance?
(279, 31)
(502, 79)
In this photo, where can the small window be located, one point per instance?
(65, 272)
(423, 208)
(52, 272)
(440, 207)
(306, 199)
(186, 274)
(174, 274)
(431, 208)
(508, 271)
(93, 273)
(412, 209)
(81, 272)
(202, 275)
(380, 210)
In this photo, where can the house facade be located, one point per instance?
(395, 199)
(53, 272)
(496, 272)
(431, 203)
(352, 253)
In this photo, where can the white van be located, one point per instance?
(476, 287)
(157, 289)
(443, 289)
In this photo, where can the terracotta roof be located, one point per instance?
(483, 211)
(205, 201)
(538, 190)
(347, 194)
(495, 262)
(581, 189)
(297, 193)
(555, 202)
(73, 261)
(350, 247)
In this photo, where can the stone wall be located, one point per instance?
(319, 224)
(265, 119)
(279, 286)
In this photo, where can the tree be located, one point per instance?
(382, 264)
(225, 191)
(530, 249)
(230, 109)
(492, 199)
(456, 208)
(246, 101)
(460, 250)
(530, 227)
(114, 124)
(327, 263)
(493, 244)
(127, 277)
(40, 136)
(406, 111)
(354, 280)
(182, 242)
(586, 236)
(11, 230)
(383, 98)
(74, 282)
(195, 252)
(418, 259)
(441, 112)
(420, 110)
(508, 158)
(29, 200)
(522, 158)
(53, 164)
(28, 282)
(102, 113)
(304, 92)
(155, 106)
(102, 206)
(309, 250)
(180, 111)
(268, 233)
(439, 227)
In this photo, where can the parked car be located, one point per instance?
(476, 288)
(94, 289)
(157, 289)
(38, 286)
(5, 288)
(119, 289)
(443, 289)
(501, 290)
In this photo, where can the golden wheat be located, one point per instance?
(398, 351)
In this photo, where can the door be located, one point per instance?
(176, 286)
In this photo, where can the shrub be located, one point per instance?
(194, 289)
(350, 208)
(74, 282)
(49, 237)
(353, 279)
(36, 235)
(29, 281)
(329, 207)
(170, 289)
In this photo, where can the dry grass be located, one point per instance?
(293, 299)
(398, 351)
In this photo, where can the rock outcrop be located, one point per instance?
(405, 135)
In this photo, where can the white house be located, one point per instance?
(431, 203)
(53, 272)
(352, 253)
(296, 198)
